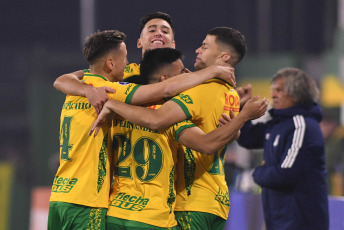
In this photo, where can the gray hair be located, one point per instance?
(298, 85)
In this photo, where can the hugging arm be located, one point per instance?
(180, 83)
(71, 84)
(211, 142)
(167, 115)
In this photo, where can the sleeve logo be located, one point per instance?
(186, 98)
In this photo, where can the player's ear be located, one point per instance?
(138, 44)
(163, 77)
(225, 56)
(109, 64)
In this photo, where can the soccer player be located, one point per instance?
(202, 193)
(143, 194)
(156, 31)
(80, 190)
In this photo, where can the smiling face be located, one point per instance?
(208, 53)
(157, 33)
(280, 98)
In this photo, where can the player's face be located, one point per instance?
(207, 53)
(176, 68)
(120, 62)
(280, 99)
(157, 33)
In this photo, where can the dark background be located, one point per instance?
(41, 40)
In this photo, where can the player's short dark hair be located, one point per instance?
(154, 60)
(100, 43)
(161, 15)
(232, 38)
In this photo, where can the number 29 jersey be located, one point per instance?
(143, 187)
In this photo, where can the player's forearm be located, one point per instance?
(173, 86)
(223, 135)
(135, 114)
(70, 84)
(180, 83)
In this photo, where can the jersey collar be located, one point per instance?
(95, 75)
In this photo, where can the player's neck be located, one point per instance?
(94, 69)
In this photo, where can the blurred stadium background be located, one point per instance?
(42, 39)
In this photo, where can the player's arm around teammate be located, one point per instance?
(194, 137)
(70, 84)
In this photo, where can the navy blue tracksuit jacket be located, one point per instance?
(293, 178)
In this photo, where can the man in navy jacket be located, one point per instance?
(292, 175)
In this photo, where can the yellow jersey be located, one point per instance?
(83, 176)
(131, 70)
(201, 184)
(143, 188)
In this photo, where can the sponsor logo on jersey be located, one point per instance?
(222, 197)
(123, 83)
(128, 89)
(128, 202)
(129, 125)
(232, 102)
(186, 98)
(76, 106)
(63, 185)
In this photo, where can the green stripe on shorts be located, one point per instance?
(114, 223)
(199, 220)
(72, 216)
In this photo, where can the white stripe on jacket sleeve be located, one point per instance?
(299, 133)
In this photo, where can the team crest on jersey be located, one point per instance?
(186, 98)
(128, 69)
(123, 83)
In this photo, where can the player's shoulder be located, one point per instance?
(132, 69)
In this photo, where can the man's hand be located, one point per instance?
(97, 96)
(225, 118)
(103, 117)
(226, 73)
(245, 93)
(255, 108)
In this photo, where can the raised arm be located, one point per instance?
(211, 142)
(71, 84)
(182, 82)
(169, 114)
